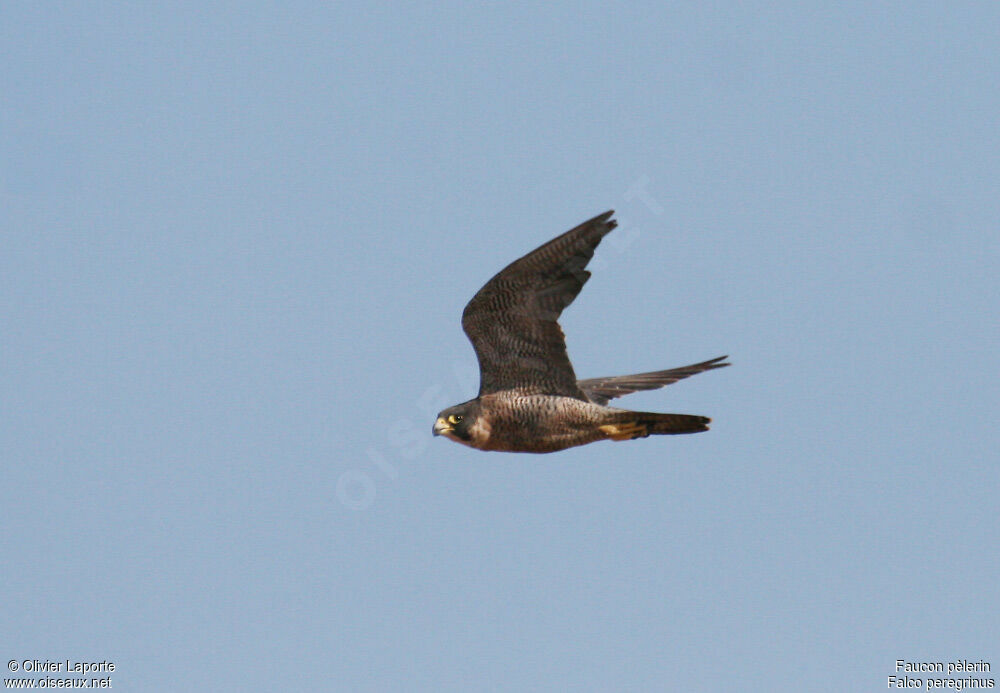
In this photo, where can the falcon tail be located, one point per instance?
(639, 424)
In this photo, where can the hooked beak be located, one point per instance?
(442, 426)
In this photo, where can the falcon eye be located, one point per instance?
(455, 418)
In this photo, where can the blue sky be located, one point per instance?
(237, 242)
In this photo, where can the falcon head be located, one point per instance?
(461, 423)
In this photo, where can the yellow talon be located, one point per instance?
(625, 431)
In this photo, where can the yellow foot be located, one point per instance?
(624, 431)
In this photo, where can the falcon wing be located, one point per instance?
(512, 321)
(600, 390)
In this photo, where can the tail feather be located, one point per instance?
(628, 425)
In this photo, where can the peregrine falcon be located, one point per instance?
(529, 398)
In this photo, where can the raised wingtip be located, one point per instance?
(602, 217)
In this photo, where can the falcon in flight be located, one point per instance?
(529, 398)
